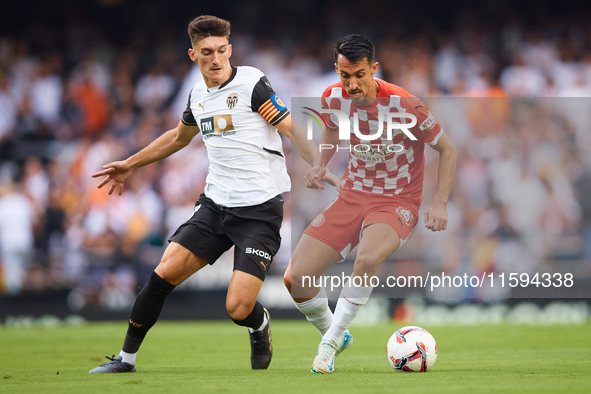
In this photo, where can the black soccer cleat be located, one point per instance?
(114, 366)
(261, 346)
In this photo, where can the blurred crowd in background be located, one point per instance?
(98, 81)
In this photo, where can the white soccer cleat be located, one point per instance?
(325, 355)
(346, 341)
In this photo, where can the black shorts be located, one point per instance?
(254, 230)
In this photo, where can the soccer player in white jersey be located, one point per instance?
(238, 114)
(378, 204)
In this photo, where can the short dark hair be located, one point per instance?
(355, 48)
(208, 26)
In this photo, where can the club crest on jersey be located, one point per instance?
(318, 221)
(404, 215)
(232, 100)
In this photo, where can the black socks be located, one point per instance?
(148, 306)
(146, 310)
(255, 319)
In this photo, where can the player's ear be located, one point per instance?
(229, 50)
(374, 68)
(192, 55)
(336, 68)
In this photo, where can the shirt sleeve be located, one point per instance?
(267, 103)
(427, 128)
(188, 117)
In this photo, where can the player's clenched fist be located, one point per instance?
(436, 217)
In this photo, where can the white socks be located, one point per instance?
(262, 327)
(128, 357)
(317, 311)
(350, 301)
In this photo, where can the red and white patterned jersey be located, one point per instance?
(382, 166)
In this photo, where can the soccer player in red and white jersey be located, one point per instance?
(378, 203)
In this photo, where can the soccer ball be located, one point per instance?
(412, 349)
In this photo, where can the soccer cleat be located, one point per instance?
(114, 366)
(325, 355)
(261, 346)
(346, 341)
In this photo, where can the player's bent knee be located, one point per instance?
(238, 311)
(287, 280)
(238, 307)
(165, 272)
(170, 271)
(367, 262)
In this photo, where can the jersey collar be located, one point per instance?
(216, 88)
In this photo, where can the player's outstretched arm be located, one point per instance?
(168, 143)
(306, 148)
(436, 215)
(309, 152)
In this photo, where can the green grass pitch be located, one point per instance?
(214, 357)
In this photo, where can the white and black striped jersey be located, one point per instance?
(237, 119)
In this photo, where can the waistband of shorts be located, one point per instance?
(388, 197)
